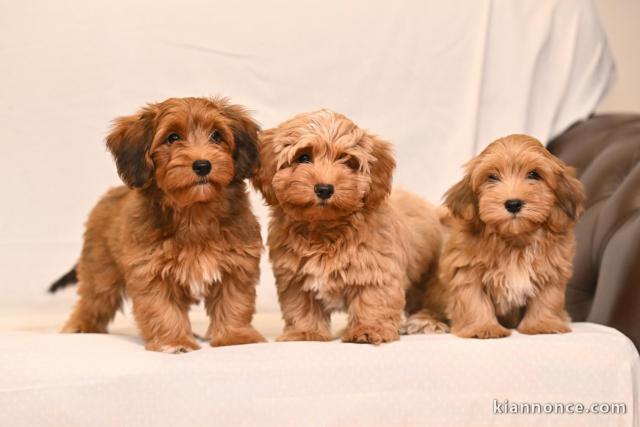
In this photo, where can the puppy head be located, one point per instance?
(190, 148)
(515, 186)
(320, 166)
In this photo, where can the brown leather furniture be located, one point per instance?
(605, 287)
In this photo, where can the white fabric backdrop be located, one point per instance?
(440, 79)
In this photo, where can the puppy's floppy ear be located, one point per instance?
(461, 200)
(261, 180)
(129, 142)
(570, 198)
(380, 170)
(245, 135)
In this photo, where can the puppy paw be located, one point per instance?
(553, 326)
(483, 331)
(365, 334)
(183, 346)
(83, 328)
(237, 337)
(300, 335)
(419, 324)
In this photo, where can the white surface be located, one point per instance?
(106, 380)
(440, 79)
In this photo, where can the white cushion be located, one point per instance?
(49, 379)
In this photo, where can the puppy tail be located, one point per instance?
(70, 278)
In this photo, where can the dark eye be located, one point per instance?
(533, 175)
(493, 178)
(350, 161)
(173, 137)
(304, 158)
(216, 136)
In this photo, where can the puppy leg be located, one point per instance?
(304, 316)
(472, 313)
(545, 313)
(230, 306)
(375, 314)
(163, 319)
(100, 291)
(431, 318)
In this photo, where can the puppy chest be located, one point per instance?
(511, 285)
(199, 286)
(326, 277)
(196, 272)
(330, 297)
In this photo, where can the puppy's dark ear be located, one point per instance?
(263, 177)
(570, 199)
(129, 142)
(245, 136)
(461, 200)
(380, 170)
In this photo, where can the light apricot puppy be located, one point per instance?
(509, 255)
(181, 231)
(336, 239)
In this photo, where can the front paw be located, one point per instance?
(302, 335)
(550, 326)
(423, 324)
(482, 331)
(368, 334)
(73, 327)
(237, 337)
(173, 347)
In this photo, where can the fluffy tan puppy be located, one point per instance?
(509, 255)
(181, 231)
(337, 241)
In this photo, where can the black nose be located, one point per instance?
(324, 191)
(201, 167)
(513, 205)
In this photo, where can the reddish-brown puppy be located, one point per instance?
(509, 255)
(181, 232)
(338, 238)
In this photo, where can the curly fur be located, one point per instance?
(359, 250)
(173, 237)
(499, 269)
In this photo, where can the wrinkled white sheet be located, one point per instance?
(440, 79)
(49, 379)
